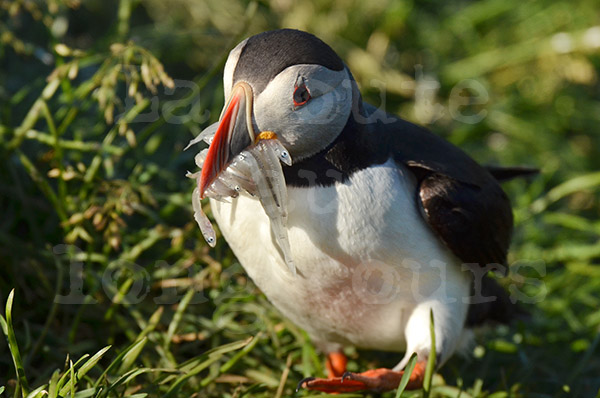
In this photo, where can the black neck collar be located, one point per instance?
(355, 148)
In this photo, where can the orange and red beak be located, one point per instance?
(234, 134)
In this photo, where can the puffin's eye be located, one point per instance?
(301, 95)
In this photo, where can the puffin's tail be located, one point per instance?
(499, 310)
(508, 173)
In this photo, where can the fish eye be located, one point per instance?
(301, 95)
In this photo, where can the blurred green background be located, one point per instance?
(97, 100)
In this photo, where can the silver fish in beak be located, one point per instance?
(239, 161)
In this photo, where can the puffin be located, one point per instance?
(392, 229)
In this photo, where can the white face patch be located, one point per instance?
(308, 128)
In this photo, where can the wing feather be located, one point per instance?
(461, 201)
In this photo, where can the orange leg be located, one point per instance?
(378, 380)
(336, 364)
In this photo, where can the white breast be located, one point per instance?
(365, 260)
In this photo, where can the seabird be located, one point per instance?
(387, 222)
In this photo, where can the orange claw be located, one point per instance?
(378, 380)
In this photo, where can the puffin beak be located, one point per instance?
(234, 134)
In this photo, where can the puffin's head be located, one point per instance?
(286, 81)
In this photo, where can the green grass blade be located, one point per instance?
(407, 373)
(38, 392)
(202, 362)
(579, 183)
(229, 364)
(152, 322)
(430, 368)
(4, 325)
(89, 364)
(53, 385)
(132, 374)
(88, 392)
(7, 328)
(73, 380)
(177, 317)
(118, 361)
(131, 355)
(65, 377)
(189, 365)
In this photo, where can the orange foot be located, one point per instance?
(378, 380)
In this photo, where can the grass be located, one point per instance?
(107, 286)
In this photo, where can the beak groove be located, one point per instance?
(234, 133)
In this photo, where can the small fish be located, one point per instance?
(203, 222)
(257, 172)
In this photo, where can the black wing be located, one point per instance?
(465, 205)
(461, 201)
(474, 221)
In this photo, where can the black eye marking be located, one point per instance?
(301, 95)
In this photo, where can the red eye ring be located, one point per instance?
(301, 95)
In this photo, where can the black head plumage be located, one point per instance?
(265, 55)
